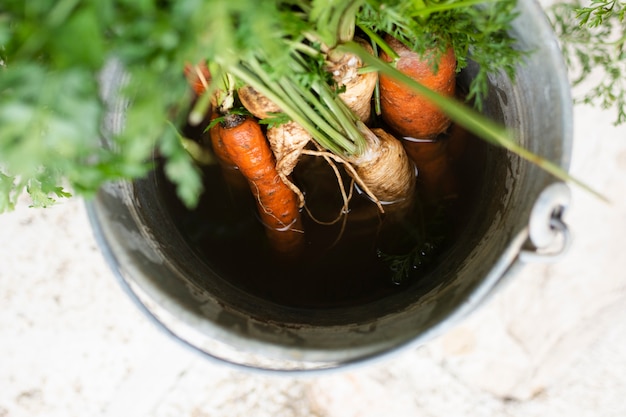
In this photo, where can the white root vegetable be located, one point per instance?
(359, 87)
(385, 167)
(287, 141)
(383, 171)
(256, 103)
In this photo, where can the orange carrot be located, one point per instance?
(436, 178)
(406, 112)
(277, 204)
(419, 121)
(231, 174)
(287, 140)
(217, 144)
(457, 142)
(198, 77)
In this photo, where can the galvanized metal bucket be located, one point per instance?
(519, 220)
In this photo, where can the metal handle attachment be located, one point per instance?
(548, 234)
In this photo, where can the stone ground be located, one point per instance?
(551, 343)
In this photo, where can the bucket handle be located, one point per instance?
(548, 234)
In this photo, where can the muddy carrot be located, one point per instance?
(277, 204)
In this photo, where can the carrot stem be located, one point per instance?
(378, 41)
(334, 109)
(293, 104)
(271, 92)
(344, 116)
(321, 122)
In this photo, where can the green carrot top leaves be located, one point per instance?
(52, 52)
(475, 29)
(599, 12)
(593, 37)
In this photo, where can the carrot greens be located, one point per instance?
(593, 41)
(52, 54)
(477, 30)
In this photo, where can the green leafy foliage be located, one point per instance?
(593, 42)
(51, 112)
(51, 52)
(601, 12)
(8, 192)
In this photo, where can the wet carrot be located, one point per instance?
(436, 178)
(212, 139)
(420, 122)
(457, 142)
(286, 140)
(406, 112)
(216, 143)
(277, 204)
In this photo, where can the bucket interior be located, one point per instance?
(180, 286)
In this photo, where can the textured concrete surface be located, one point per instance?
(551, 343)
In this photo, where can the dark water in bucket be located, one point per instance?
(344, 264)
(219, 290)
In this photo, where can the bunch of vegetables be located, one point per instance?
(279, 51)
(344, 59)
(52, 51)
